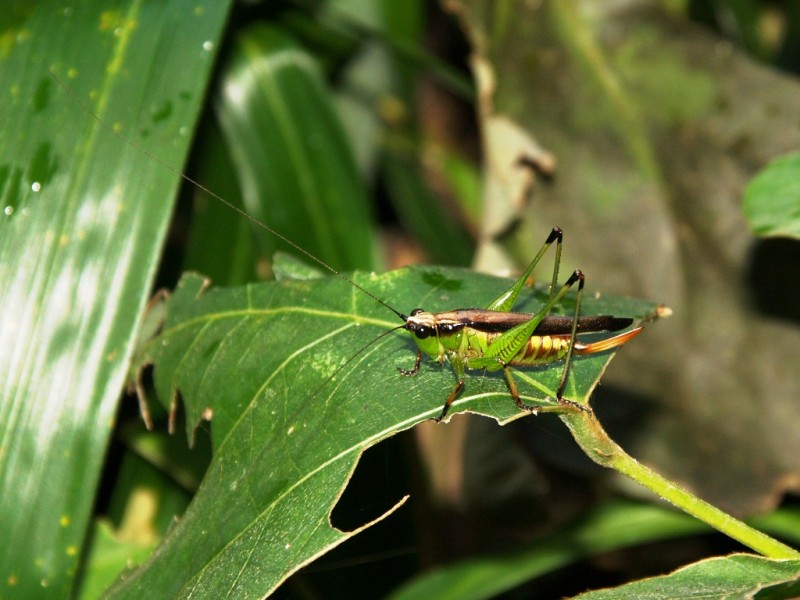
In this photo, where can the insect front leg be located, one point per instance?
(415, 370)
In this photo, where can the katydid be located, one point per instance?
(492, 338)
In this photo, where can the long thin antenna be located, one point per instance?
(213, 194)
(360, 351)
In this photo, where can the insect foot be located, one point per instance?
(415, 370)
(574, 405)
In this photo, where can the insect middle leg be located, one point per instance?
(453, 395)
(458, 368)
(512, 387)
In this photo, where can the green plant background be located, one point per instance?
(641, 144)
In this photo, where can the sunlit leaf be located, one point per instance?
(83, 219)
(295, 394)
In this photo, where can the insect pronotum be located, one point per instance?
(491, 338)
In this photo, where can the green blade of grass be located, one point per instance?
(735, 576)
(83, 221)
(295, 166)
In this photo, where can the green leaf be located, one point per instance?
(772, 199)
(221, 243)
(297, 391)
(608, 528)
(420, 211)
(296, 169)
(735, 576)
(107, 557)
(82, 224)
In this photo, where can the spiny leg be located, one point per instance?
(507, 352)
(506, 300)
(577, 275)
(506, 347)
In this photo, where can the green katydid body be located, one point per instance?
(495, 338)
(469, 333)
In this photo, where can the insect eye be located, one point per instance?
(423, 331)
(416, 311)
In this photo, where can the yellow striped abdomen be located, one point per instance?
(542, 349)
(538, 350)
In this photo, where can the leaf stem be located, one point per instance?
(596, 443)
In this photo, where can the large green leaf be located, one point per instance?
(296, 396)
(83, 221)
(605, 529)
(735, 576)
(295, 166)
(610, 527)
(772, 198)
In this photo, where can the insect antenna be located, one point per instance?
(353, 357)
(216, 196)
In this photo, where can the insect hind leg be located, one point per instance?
(578, 276)
(506, 300)
(563, 403)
